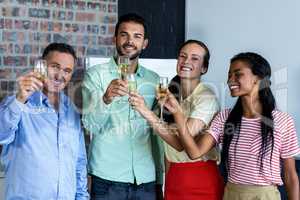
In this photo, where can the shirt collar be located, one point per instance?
(35, 99)
(196, 90)
(114, 67)
(140, 70)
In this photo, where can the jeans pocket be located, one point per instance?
(149, 187)
(100, 187)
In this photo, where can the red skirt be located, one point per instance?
(194, 181)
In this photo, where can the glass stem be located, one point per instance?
(41, 99)
(161, 112)
(132, 112)
(129, 111)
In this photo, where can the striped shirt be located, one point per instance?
(244, 162)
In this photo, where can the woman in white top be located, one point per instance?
(197, 104)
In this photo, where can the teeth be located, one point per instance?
(128, 47)
(186, 69)
(57, 82)
(234, 87)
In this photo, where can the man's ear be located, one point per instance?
(145, 43)
(114, 40)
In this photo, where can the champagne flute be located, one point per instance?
(132, 84)
(123, 65)
(40, 67)
(132, 87)
(162, 90)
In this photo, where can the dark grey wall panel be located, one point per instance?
(166, 24)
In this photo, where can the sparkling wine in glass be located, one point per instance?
(40, 67)
(132, 87)
(162, 90)
(123, 65)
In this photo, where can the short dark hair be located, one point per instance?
(132, 17)
(60, 47)
(201, 44)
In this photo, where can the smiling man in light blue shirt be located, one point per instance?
(44, 153)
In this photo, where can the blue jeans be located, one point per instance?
(110, 190)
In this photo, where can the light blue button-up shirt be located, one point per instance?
(43, 154)
(121, 146)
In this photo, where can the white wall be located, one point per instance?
(163, 67)
(268, 27)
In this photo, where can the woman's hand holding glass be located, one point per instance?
(169, 102)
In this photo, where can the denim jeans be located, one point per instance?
(110, 190)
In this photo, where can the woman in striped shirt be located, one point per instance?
(255, 136)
